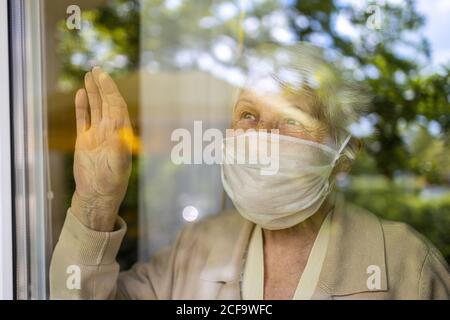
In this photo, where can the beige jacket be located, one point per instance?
(367, 258)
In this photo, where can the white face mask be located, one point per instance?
(290, 195)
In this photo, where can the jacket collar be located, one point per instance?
(356, 243)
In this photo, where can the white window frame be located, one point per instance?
(6, 243)
(31, 199)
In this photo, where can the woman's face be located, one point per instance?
(273, 111)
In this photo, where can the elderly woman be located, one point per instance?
(291, 237)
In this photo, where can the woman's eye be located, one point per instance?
(293, 122)
(248, 116)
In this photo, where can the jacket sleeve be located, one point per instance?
(434, 282)
(84, 266)
(155, 279)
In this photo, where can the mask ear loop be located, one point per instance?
(330, 186)
(339, 153)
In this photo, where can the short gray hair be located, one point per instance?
(303, 69)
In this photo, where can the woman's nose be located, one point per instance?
(266, 125)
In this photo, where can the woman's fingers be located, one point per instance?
(113, 106)
(117, 107)
(95, 101)
(81, 111)
(96, 71)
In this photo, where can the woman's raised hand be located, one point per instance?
(102, 162)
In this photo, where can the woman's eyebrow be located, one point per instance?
(287, 108)
(296, 111)
(248, 100)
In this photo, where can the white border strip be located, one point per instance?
(6, 253)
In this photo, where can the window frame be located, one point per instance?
(6, 226)
(31, 186)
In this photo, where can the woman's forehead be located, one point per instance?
(299, 97)
(258, 97)
(295, 105)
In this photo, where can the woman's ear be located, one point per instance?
(343, 165)
(347, 159)
(357, 145)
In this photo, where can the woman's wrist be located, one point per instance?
(96, 214)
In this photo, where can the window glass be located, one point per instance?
(181, 67)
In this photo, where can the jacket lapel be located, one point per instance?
(355, 260)
(220, 277)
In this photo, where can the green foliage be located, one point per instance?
(109, 37)
(402, 93)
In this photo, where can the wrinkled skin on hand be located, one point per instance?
(102, 162)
